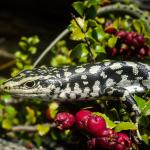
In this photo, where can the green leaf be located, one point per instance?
(99, 34)
(91, 12)
(5, 97)
(112, 42)
(92, 23)
(80, 52)
(109, 123)
(125, 126)
(7, 124)
(60, 60)
(19, 65)
(11, 111)
(146, 110)
(32, 49)
(100, 20)
(147, 38)
(53, 108)
(137, 25)
(23, 45)
(18, 54)
(37, 139)
(43, 129)
(33, 40)
(31, 118)
(145, 138)
(93, 3)
(79, 7)
(100, 49)
(125, 24)
(77, 34)
(140, 102)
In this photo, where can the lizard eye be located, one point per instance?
(30, 84)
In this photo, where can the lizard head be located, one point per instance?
(36, 83)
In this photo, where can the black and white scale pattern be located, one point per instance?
(85, 82)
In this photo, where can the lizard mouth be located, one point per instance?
(20, 92)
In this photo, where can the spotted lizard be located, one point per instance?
(101, 80)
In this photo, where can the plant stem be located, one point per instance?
(61, 35)
(86, 40)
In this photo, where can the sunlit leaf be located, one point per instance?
(43, 129)
(140, 102)
(23, 45)
(100, 49)
(100, 20)
(32, 49)
(137, 25)
(125, 126)
(145, 138)
(53, 108)
(19, 65)
(31, 118)
(112, 42)
(7, 124)
(60, 60)
(33, 40)
(76, 30)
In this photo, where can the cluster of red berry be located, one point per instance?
(95, 126)
(130, 45)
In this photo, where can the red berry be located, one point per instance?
(113, 51)
(94, 124)
(122, 34)
(140, 39)
(120, 147)
(129, 38)
(135, 43)
(107, 133)
(91, 144)
(82, 117)
(148, 52)
(110, 30)
(106, 142)
(64, 120)
(142, 52)
(124, 140)
(123, 51)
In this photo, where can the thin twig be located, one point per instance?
(29, 128)
(48, 48)
(86, 40)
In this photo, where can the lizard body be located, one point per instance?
(85, 82)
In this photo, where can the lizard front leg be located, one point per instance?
(127, 99)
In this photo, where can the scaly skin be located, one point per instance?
(104, 80)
